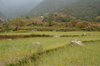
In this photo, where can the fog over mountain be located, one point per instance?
(87, 10)
(14, 8)
(1, 15)
(50, 6)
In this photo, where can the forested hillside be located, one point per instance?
(50, 6)
(87, 10)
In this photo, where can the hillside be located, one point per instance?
(86, 10)
(15, 8)
(50, 6)
(1, 17)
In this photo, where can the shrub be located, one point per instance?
(82, 24)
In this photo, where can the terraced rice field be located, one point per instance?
(89, 55)
(14, 50)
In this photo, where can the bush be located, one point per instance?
(82, 24)
(34, 23)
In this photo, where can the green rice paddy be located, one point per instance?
(14, 50)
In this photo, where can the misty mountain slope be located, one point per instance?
(86, 10)
(15, 8)
(1, 15)
(50, 6)
(83, 9)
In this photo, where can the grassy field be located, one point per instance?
(89, 55)
(13, 50)
(52, 33)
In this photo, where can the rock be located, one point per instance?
(56, 36)
(5, 31)
(54, 30)
(79, 43)
(11, 31)
(34, 30)
(36, 46)
(85, 34)
(76, 42)
(9, 39)
(42, 17)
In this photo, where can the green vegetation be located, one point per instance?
(68, 15)
(86, 10)
(23, 24)
(51, 33)
(15, 50)
(98, 18)
(19, 22)
(50, 6)
(52, 24)
(71, 56)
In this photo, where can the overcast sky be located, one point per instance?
(10, 6)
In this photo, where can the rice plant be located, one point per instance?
(89, 55)
(13, 50)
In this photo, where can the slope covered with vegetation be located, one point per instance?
(50, 6)
(87, 10)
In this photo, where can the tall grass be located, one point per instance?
(89, 55)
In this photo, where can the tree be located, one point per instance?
(23, 22)
(73, 22)
(55, 15)
(83, 24)
(16, 21)
(50, 19)
(27, 17)
(98, 19)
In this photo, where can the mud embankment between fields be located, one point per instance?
(22, 36)
(3, 37)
